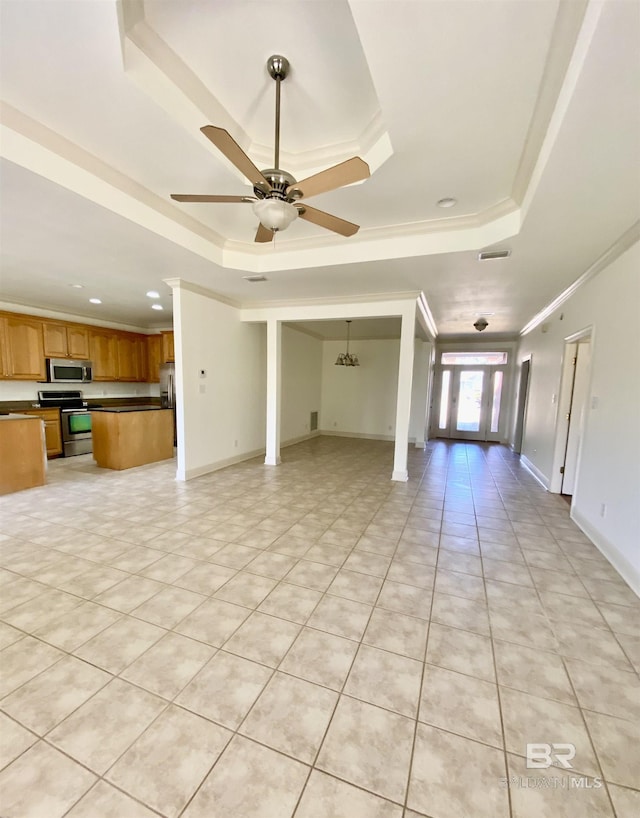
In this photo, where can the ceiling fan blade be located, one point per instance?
(329, 222)
(225, 143)
(189, 197)
(263, 234)
(345, 173)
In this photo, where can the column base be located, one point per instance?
(420, 444)
(400, 476)
(272, 461)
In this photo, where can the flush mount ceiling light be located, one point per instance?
(345, 358)
(481, 324)
(77, 286)
(448, 201)
(95, 301)
(254, 279)
(157, 307)
(153, 294)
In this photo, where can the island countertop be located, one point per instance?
(119, 409)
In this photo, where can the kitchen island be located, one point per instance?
(128, 436)
(22, 453)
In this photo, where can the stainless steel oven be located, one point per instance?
(76, 431)
(74, 417)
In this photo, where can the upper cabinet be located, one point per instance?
(26, 341)
(168, 353)
(154, 357)
(65, 340)
(23, 348)
(103, 354)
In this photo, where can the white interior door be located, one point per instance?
(576, 416)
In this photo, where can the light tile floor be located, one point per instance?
(312, 640)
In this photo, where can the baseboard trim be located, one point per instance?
(360, 435)
(535, 471)
(400, 476)
(199, 471)
(300, 439)
(608, 550)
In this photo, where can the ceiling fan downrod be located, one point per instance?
(278, 68)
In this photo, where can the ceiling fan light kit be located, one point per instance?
(277, 192)
(275, 214)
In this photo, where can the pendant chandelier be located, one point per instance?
(345, 358)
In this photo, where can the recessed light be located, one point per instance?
(448, 201)
(157, 307)
(95, 301)
(153, 294)
(77, 286)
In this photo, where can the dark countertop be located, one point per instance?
(98, 402)
(130, 409)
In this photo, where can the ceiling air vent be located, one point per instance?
(491, 254)
(254, 279)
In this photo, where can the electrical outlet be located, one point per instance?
(235, 443)
(603, 509)
(335, 422)
(203, 389)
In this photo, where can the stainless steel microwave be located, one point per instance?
(63, 370)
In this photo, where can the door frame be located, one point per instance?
(564, 405)
(523, 402)
(488, 371)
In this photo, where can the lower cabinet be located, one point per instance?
(52, 429)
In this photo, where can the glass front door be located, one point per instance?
(470, 399)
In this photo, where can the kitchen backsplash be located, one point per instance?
(28, 390)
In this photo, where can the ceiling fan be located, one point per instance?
(277, 194)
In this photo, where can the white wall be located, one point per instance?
(28, 390)
(360, 401)
(609, 470)
(420, 390)
(301, 382)
(222, 418)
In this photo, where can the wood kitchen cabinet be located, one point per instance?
(154, 358)
(127, 358)
(65, 340)
(21, 453)
(103, 353)
(52, 429)
(142, 361)
(168, 352)
(3, 349)
(23, 348)
(26, 341)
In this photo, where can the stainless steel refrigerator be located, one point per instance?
(168, 391)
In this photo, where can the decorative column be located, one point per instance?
(274, 380)
(403, 404)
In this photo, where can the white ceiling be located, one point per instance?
(525, 112)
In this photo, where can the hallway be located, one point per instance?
(312, 640)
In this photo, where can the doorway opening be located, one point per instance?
(579, 386)
(521, 411)
(470, 394)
